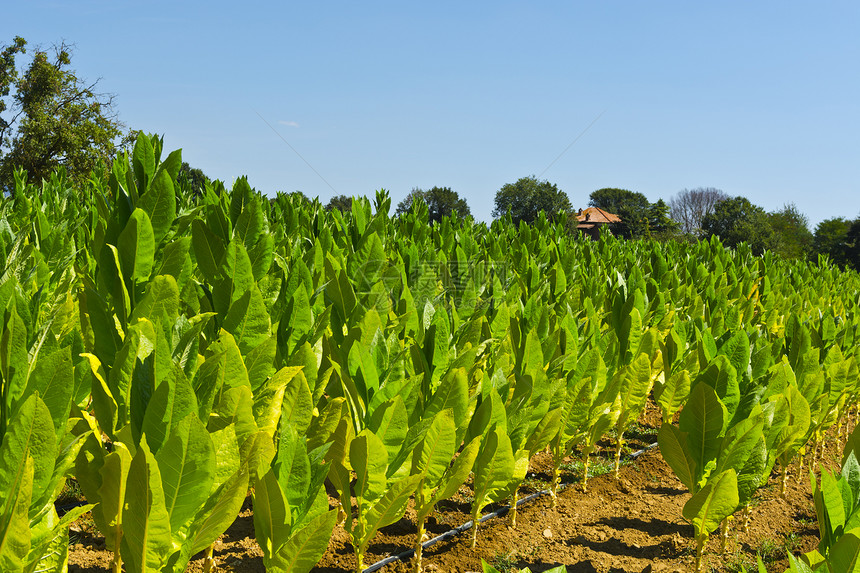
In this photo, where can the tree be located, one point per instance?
(193, 179)
(528, 197)
(660, 224)
(690, 206)
(633, 208)
(441, 202)
(50, 118)
(831, 236)
(852, 245)
(340, 202)
(737, 220)
(791, 236)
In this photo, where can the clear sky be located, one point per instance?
(760, 99)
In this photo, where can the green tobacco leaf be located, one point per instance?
(798, 565)
(369, 458)
(14, 521)
(631, 334)
(737, 350)
(99, 325)
(494, 467)
(159, 202)
(833, 506)
(272, 518)
(306, 547)
(49, 547)
(185, 351)
(235, 277)
(367, 263)
(160, 301)
(208, 250)
(433, 455)
(845, 554)
(362, 371)
(297, 401)
(723, 378)
(457, 474)
(219, 512)
(269, 399)
(146, 523)
(250, 223)
(739, 442)
(111, 495)
(227, 452)
(703, 419)
(136, 246)
(388, 509)
(791, 436)
(176, 261)
(298, 320)
(259, 362)
(187, 465)
(453, 393)
(634, 389)
(13, 359)
(546, 430)
(53, 377)
(30, 434)
(261, 256)
(143, 161)
(248, 320)
(713, 503)
(172, 401)
(291, 466)
(676, 452)
(223, 369)
(673, 393)
(236, 406)
(390, 423)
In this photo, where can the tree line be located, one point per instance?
(690, 215)
(51, 119)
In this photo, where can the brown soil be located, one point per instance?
(631, 524)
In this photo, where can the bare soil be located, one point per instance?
(629, 524)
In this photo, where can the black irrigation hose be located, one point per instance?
(468, 525)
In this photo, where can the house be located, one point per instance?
(590, 220)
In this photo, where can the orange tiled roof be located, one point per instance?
(596, 215)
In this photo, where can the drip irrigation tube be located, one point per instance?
(468, 525)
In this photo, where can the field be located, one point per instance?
(629, 524)
(226, 380)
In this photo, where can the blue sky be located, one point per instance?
(760, 99)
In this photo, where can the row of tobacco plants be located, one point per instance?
(173, 352)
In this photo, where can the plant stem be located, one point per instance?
(800, 455)
(724, 534)
(620, 444)
(474, 532)
(418, 545)
(553, 492)
(586, 459)
(514, 511)
(784, 482)
(341, 514)
(209, 562)
(700, 550)
(116, 564)
(747, 513)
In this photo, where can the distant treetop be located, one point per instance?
(441, 202)
(528, 197)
